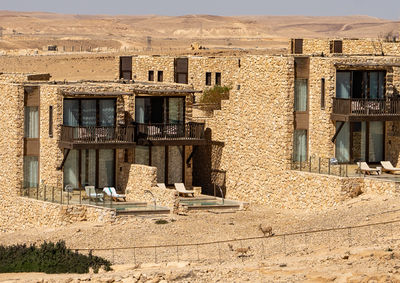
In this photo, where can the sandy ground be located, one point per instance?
(341, 256)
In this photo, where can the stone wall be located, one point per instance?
(24, 213)
(364, 46)
(142, 178)
(198, 66)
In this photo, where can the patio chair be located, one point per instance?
(161, 186)
(110, 191)
(91, 193)
(180, 187)
(366, 170)
(388, 167)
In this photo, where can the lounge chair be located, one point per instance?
(110, 191)
(91, 193)
(366, 170)
(180, 187)
(388, 167)
(161, 186)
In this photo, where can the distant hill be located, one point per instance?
(18, 27)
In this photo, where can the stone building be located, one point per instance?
(324, 99)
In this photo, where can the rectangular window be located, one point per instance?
(218, 78)
(31, 122)
(31, 171)
(297, 46)
(336, 46)
(50, 121)
(160, 76)
(208, 78)
(125, 67)
(175, 164)
(106, 168)
(322, 93)
(376, 141)
(181, 70)
(300, 145)
(160, 110)
(300, 95)
(151, 76)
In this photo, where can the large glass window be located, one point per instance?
(300, 95)
(160, 110)
(96, 168)
(175, 164)
(142, 155)
(31, 167)
(158, 160)
(89, 112)
(32, 122)
(300, 145)
(360, 84)
(343, 143)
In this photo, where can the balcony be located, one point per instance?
(170, 134)
(359, 109)
(97, 137)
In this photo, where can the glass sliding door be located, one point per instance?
(343, 84)
(71, 112)
(71, 169)
(106, 168)
(376, 141)
(158, 160)
(88, 112)
(142, 155)
(31, 171)
(358, 141)
(106, 112)
(343, 143)
(176, 110)
(88, 167)
(175, 164)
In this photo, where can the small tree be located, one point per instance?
(215, 94)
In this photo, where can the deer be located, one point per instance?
(267, 230)
(241, 251)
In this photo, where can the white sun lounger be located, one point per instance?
(388, 167)
(180, 187)
(161, 186)
(364, 168)
(91, 193)
(111, 192)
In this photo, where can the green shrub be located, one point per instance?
(161, 221)
(48, 258)
(215, 94)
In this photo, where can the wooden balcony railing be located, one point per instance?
(93, 134)
(163, 131)
(366, 107)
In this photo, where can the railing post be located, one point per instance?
(310, 164)
(52, 194)
(37, 191)
(329, 166)
(44, 193)
(300, 162)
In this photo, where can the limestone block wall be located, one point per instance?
(255, 127)
(142, 178)
(198, 66)
(366, 46)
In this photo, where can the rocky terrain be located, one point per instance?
(355, 255)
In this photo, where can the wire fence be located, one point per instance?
(255, 248)
(329, 166)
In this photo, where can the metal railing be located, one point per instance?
(97, 134)
(59, 195)
(319, 165)
(170, 131)
(366, 107)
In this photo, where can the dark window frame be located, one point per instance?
(160, 76)
(151, 76)
(208, 78)
(218, 78)
(322, 93)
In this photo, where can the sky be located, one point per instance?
(387, 9)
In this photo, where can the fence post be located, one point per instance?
(37, 191)
(80, 196)
(319, 165)
(300, 162)
(309, 165)
(68, 197)
(347, 172)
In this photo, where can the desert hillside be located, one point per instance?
(34, 30)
